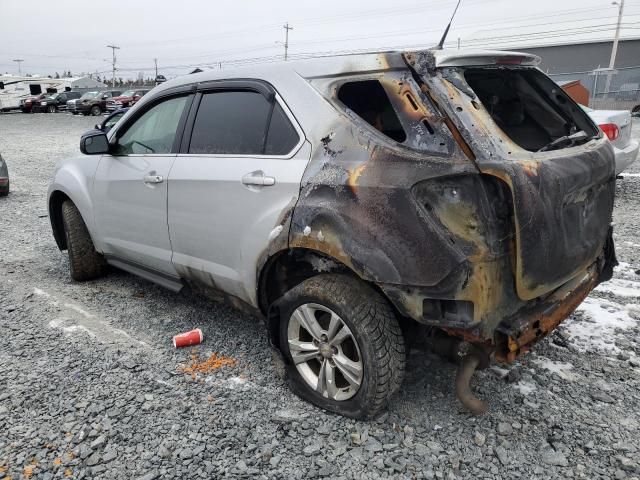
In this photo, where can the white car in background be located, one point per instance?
(616, 124)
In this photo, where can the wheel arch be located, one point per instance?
(288, 268)
(73, 181)
(56, 199)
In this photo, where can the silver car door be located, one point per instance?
(245, 157)
(130, 187)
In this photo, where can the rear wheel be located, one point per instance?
(5, 190)
(84, 262)
(344, 345)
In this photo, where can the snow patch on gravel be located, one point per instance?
(596, 329)
(562, 369)
(81, 311)
(60, 324)
(620, 288)
(524, 387)
(86, 322)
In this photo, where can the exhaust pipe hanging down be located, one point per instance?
(468, 357)
(472, 359)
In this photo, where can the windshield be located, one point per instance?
(89, 95)
(128, 93)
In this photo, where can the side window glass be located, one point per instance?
(155, 131)
(110, 122)
(230, 122)
(282, 137)
(368, 100)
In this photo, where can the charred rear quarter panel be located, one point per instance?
(427, 225)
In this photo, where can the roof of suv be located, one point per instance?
(352, 63)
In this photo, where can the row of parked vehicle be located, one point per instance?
(95, 102)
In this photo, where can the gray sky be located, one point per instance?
(73, 34)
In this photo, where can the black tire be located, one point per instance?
(95, 111)
(373, 326)
(84, 262)
(5, 191)
(51, 109)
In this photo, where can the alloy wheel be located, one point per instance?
(325, 352)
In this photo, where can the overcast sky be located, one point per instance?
(73, 34)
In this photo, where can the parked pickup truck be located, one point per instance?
(96, 105)
(127, 99)
(26, 106)
(55, 102)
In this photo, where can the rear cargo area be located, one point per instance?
(523, 129)
(527, 106)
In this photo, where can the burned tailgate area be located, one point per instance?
(472, 212)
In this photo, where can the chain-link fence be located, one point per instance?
(609, 90)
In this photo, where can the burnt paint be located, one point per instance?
(562, 200)
(387, 211)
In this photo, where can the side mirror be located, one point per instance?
(105, 96)
(98, 126)
(94, 143)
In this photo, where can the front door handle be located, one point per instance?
(258, 178)
(153, 179)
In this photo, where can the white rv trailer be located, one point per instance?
(14, 89)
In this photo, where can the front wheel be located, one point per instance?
(96, 110)
(85, 263)
(344, 345)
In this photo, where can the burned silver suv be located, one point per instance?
(354, 202)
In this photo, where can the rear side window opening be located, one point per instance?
(369, 101)
(393, 105)
(530, 108)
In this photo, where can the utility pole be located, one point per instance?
(614, 50)
(155, 60)
(286, 39)
(113, 64)
(19, 61)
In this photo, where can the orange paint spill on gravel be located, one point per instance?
(211, 364)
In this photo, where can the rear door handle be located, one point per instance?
(258, 178)
(153, 179)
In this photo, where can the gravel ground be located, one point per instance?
(91, 387)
